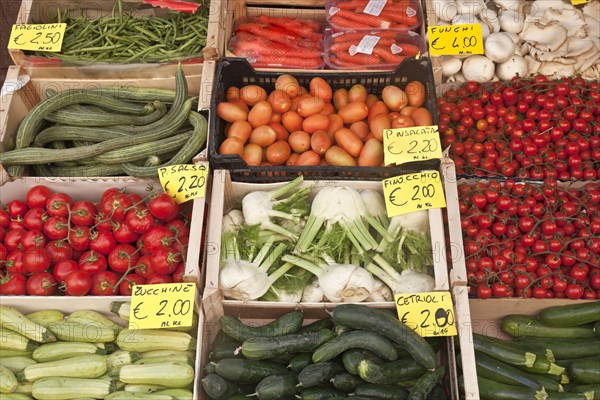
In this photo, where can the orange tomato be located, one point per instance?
(299, 141)
(288, 84)
(278, 152)
(320, 142)
(361, 129)
(358, 92)
(340, 98)
(354, 111)
(320, 88)
(232, 145)
(394, 97)
(280, 131)
(422, 117)
(378, 107)
(252, 94)
(371, 154)
(316, 122)
(240, 129)
(338, 157)
(328, 110)
(349, 141)
(292, 160)
(263, 136)
(252, 154)
(308, 106)
(335, 122)
(308, 158)
(371, 99)
(416, 93)
(280, 101)
(379, 123)
(260, 114)
(403, 122)
(233, 93)
(292, 121)
(231, 112)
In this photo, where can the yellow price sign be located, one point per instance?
(578, 2)
(164, 305)
(37, 37)
(184, 182)
(429, 314)
(408, 193)
(403, 145)
(446, 40)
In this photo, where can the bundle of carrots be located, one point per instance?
(390, 50)
(350, 14)
(269, 42)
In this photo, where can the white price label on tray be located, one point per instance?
(374, 7)
(333, 10)
(367, 44)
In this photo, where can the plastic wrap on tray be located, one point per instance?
(273, 42)
(397, 15)
(382, 50)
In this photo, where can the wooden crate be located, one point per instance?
(39, 10)
(28, 304)
(225, 194)
(213, 307)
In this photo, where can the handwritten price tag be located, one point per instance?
(455, 39)
(418, 143)
(37, 37)
(162, 306)
(429, 314)
(184, 182)
(578, 2)
(413, 192)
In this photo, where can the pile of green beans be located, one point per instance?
(123, 38)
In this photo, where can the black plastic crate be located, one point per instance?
(233, 71)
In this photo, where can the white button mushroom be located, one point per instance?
(514, 66)
(478, 68)
(450, 65)
(499, 47)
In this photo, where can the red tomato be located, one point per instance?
(37, 196)
(34, 219)
(59, 250)
(126, 286)
(157, 278)
(77, 283)
(157, 237)
(4, 218)
(102, 241)
(123, 257)
(56, 228)
(116, 206)
(41, 284)
(574, 291)
(3, 252)
(79, 238)
(14, 262)
(62, 268)
(36, 260)
(123, 233)
(12, 239)
(484, 291)
(16, 209)
(13, 285)
(59, 204)
(163, 207)
(144, 266)
(92, 262)
(179, 228)
(33, 239)
(82, 213)
(164, 261)
(179, 273)
(139, 220)
(105, 284)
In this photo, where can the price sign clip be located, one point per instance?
(185, 181)
(429, 314)
(162, 305)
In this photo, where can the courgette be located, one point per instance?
(169, 374)
(366, 340)
(121, 357)
(299, 361)
(218, 388)
(426, 383)
(18, 396)
(180, 357)
(16, 364)
(11, 340)
(123, 395)
(586, 389)
(318, 374)
(8, 380)
(79, 332)
(391, 372)
(494, 369)
(345, 382)
(93, 317)
(517, 325)
(141, 340)
(362, 317)
(284, 325)
(260, 348)
(12, 319)
(71, 388)
(179, 394)
(61, 350)
(561, 348)
(45, 317)
(491, 390)
(320, 393)
(276, 387)
(140, 388)
(570, 315)
(585, 371)
(385, 392)
(88, 366)
(242, 371)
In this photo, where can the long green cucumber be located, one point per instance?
(362, 317)
(517, 325)
(77, 117)
(185, 154)
(63, 132)
(140, 151)
(223, 347)
(570, 315)
(366, 340)
(405, 369)
(491, 368)
(260, 348)
(83, 171)
(284, 325)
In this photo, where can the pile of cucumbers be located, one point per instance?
(554, 355)
(360, 353)
(108, 131)
(47, 355)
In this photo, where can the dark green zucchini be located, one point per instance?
(366, 340)
(317, 325)
(299, 361)
(561, 348)
(586, 389)
(392, 372)
(260, 348)
(384, 392)
(491, 390)
(243, 371)
(320, 393)
(276, 387)
(585, 371)
(345, 382)
(351, 358)
(318, 374)
(596, 329)
(218, 388)
(284, 325)
(570, 315)
(362, 317)
(517, 325)
(426, 383)
(498, 371)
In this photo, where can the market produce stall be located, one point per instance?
(301, 199)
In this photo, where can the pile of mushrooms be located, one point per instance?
(522, 37)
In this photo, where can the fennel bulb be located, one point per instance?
(339, 282)
(313, 293)
(260, 208)
(375, 206)
(407, 282)
(381, 292)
